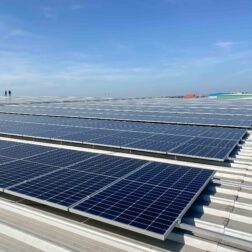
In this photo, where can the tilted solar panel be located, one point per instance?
(169, 115)
(188, 141)
(19, 171)
(145, 197)
(151, 201)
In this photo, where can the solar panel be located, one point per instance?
(200, 151)
(24, 150)
(109, 165)
(63, 187)
(7, 144)
(106, 188)
(216, 143)
(95, 128)
(61, 157)
(204, 141)
(5, 159)
(151, 201)
(152, 146)
(69, 185)
(167, 113)
(113, 141)
(146, 197)
(20, 171)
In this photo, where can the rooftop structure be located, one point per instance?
(231, 95)
(74, 170)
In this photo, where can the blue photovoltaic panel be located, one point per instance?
(170, 138)
(150, 201)
(64, 187)
(5, 160)
(216, 149)
(109, 165)
(7, 144)
(150, 137)
(20, 171)
(24, 150)
(146, 197)
(69, 185)
(61, 157)
(171, 176)
(204, 141)
(98, 128)
(215, 153)
(188, 114)
(113, 141)
(148, 145)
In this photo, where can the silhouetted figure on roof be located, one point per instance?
(9, 93)
(5, 93)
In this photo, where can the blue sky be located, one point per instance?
(125, 48)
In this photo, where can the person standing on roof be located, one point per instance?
(9, 93)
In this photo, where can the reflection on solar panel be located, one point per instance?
(145, 197)
(217, 143)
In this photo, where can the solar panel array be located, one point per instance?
(180, 140)
(146, 197)
(198, 112)
(149, 200)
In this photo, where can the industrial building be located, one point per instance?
(239, 95)
(102, 174)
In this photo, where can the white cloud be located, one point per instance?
(75, 72)
(227, 45)
(15, 32)
(18, 33)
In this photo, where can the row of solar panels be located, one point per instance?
(75, 109)
(145, 197)
(155, 128)
(158, 104)
(189, 141)
(180, 118)
(162, 111)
